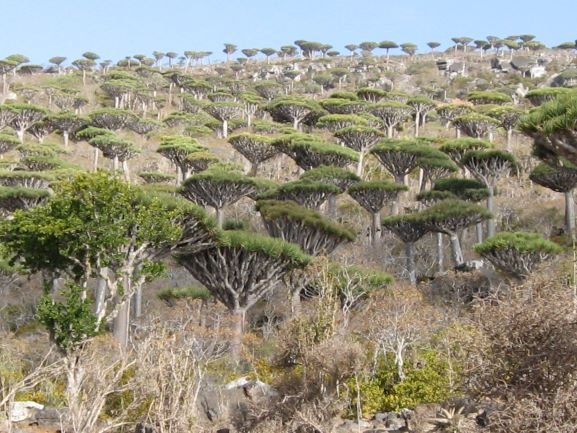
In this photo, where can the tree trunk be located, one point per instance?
(238, 317)
(65, 135)
(570, 214)
(225, 129)
(137, 306)
(399, 361)
(440, 253)
(253, 169)
(95, 160)
(100, 294)
(219, 217)
(456, 247)
(417, 121)
(121, 323)
(422, 183)
(360, 164)
(389, 132)
(20, 134)
(491, 225)
(509, 139)
(295, 124)
(375, 224)
(332, 206)
(296, 301)
(411, 269)
(126, 171)
(479, 229)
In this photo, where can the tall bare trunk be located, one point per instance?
(219, 217)
(332, 206)
(95, 159)
(360, 163)
(224, 128)
(570, 214)
(417, 122)
(121, 323)
(440, 253)
(491, 224)
(236, 346)
(457, 251)
(375, 224)
(411, 269)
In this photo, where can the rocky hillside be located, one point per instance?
(302, 242)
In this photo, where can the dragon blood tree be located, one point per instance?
(241, 269)
(517, 253)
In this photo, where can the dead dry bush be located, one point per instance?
(457, 289)
(526, 358)
(172, 363)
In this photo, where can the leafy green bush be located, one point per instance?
(427, 381)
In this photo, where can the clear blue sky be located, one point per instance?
(114, 29)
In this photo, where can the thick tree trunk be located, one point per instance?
(440, 253)
(65, 136)
(360, 163)
(137, 304)
(100, 293)
(456, 248)
(417, 122)
(126, 171)
(375, 225)
(332, 206)
(389, 132)
(296, 301)
(121, 323)
(238, 325)
(509, 139)
(253, 169)
(422, 183)
(479, 230)
(225, 129)
(411, 269)
(20, 134)
(219, 217)
(95, 160)
(491, 224)
(570, 214)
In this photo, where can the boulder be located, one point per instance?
(24, 410)
(49, 415)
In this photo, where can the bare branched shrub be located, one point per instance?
(527, 357)
(17, 374)
(96, 371)
(171, 368)
(397, 320)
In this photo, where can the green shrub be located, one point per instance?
(427, 381)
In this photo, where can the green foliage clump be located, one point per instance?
(464, 189)
(519, 242)
(71, 321)
(275, 209)
(171, 294)
(427, 381)
(487, 97)
(255, 243)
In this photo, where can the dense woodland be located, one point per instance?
(351, 238)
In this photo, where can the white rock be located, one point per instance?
(22, 410)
